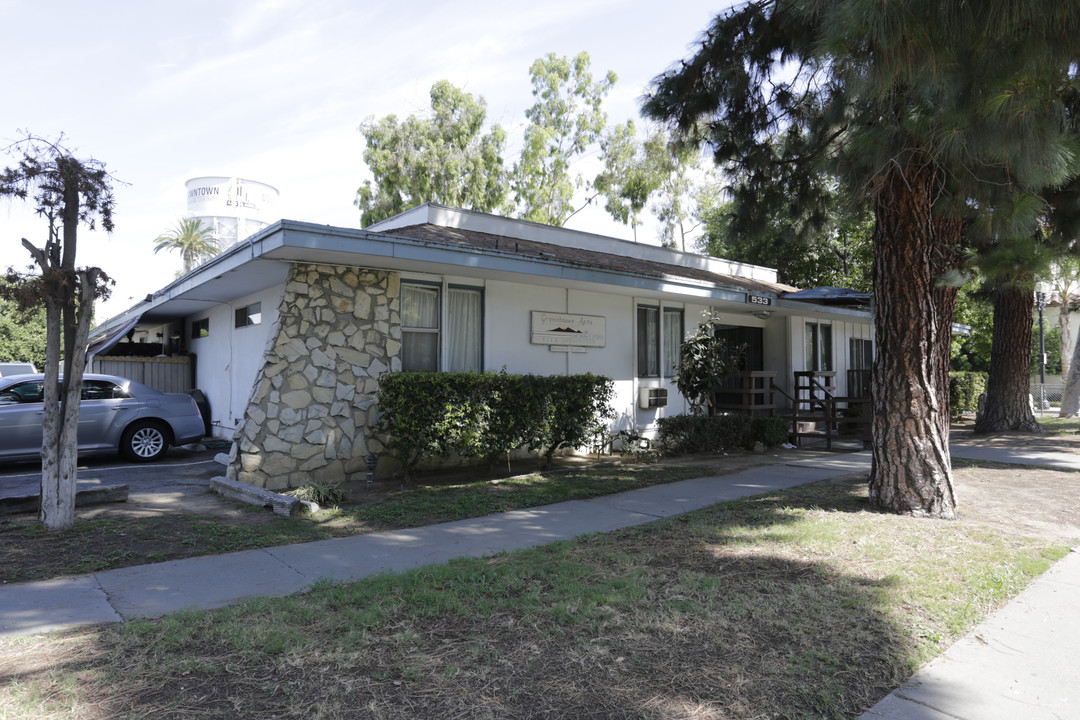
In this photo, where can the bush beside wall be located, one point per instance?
(704, 433)
(964, 391)
(769, 431)
(427, 415)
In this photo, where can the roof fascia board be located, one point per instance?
(809, 308)
(256, 245)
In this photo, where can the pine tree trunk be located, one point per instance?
(1009, 385)
(911, 471)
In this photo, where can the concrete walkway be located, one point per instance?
(1021, 664)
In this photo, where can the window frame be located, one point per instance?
(200, 328)
(670, 371)
(814, 347)
(860, 350)
(251, 314)
(480, 350)
(444, 324)
(658, 352)
(646, 352)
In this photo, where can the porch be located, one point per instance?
(816, 412)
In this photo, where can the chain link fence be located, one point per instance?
(1046, 397)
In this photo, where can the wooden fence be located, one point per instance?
(168, 374)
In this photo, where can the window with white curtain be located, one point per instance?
(659, 341)
(818, 346)
(464, 329)
(422, 335)
(673, 337)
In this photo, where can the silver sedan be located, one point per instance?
(116, 414)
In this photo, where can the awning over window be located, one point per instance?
(830, 296)
(106, 342)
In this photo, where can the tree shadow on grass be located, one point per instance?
(687, 617)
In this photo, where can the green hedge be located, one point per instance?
(964, 391)
(769, 431)
(425, 415)
(705, 433)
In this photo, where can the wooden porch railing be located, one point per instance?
(756, 392)
(814, 402)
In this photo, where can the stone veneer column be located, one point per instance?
(339, 329)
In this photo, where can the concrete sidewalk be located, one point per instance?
(217, 580)
(1020, 664)
(1058, 460)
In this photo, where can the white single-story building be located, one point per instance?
(288, 332)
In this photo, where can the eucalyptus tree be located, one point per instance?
(684, 193)
(66, 192)
(446, 158)
(192, 239)
(565, 121)
(1064, 282)
(929, 109)
(631, 174)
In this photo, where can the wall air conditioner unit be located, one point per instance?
(650, 397)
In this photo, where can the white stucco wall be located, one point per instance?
(843, 330)
(507, 328)
(229, 357)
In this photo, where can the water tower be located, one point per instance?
(233, 207)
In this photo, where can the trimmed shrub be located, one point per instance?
(964, 391)
(424, 415)
(769, 431)
(703, 433)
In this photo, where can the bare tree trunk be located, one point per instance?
(1065, 333)
(69, 309)
(57, 509)
(1008, 387)
(1070, 396)
(911, 471)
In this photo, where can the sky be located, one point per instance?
(274, 91)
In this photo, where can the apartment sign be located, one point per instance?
(562, 329)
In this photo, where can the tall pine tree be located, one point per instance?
(924, 106)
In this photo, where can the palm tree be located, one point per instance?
(195, 241)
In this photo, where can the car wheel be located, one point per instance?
(144, 441)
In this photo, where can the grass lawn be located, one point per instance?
(796, 604)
